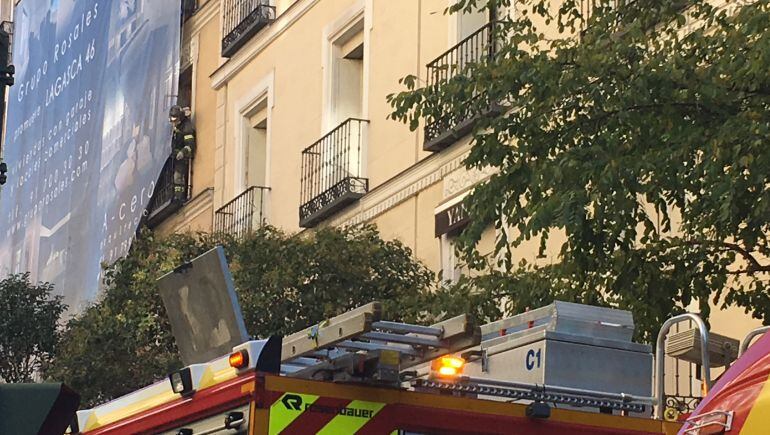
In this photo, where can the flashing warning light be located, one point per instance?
(448, 366)
(239, 360)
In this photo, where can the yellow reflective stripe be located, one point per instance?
(189, 136)
(286, 409)
(345, 424)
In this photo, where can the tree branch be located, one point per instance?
(754, 265)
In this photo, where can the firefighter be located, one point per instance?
(182, 148)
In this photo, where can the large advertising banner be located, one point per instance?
(87, 134)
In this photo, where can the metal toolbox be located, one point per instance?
(567, 345)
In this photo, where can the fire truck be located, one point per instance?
(564, 368)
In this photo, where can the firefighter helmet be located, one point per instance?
(176, 113)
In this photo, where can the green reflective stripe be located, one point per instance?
(284, 411)
(348, 424)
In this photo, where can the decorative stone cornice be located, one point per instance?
(460, 181)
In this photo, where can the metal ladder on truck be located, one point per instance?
(359, 346)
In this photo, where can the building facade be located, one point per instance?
(289, 100)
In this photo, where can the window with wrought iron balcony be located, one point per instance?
(248, 211)
(332, 172)
(174, 185)
(449, 126)
(241, 20)
(333, 168)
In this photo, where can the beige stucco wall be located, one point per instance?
(207, 38)
(401, 36)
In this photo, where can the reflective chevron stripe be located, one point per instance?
(287, 409)
(300, 410)
(357, 413)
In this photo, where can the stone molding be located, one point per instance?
(460, 181)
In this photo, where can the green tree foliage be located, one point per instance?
(284, 284)
(29, 315)
(639, 132)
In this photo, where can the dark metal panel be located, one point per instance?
(202, 307)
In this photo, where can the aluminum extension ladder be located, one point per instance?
(336, 346)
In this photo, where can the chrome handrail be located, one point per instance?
(660, 357)
(750, 336)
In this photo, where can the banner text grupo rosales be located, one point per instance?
(87, 134)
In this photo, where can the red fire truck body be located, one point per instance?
(277, 404)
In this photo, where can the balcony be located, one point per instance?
(242, 19)
(332, 172)
(442, 131)
(244, 214)
(165, 201)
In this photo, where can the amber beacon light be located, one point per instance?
(447, 366)
(239, 360)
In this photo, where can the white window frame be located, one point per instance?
(262, 92)
(450, 263)
(360, 14)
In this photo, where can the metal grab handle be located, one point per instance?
(660, 357)
(750, 336)
(707, 419)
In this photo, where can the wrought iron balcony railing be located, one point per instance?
(242, 19)
(332, 175)
(587, 7)
(483, 44)
(244, 214)
(167, 199)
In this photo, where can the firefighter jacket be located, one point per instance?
(183, 139)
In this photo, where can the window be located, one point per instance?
(469, 23)
(333, 173)
(347, 81)
(184, 95)
(347, 101)
(247, 209)
(450, 263)
(450, 219)
(256, 147)
(241, 20)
